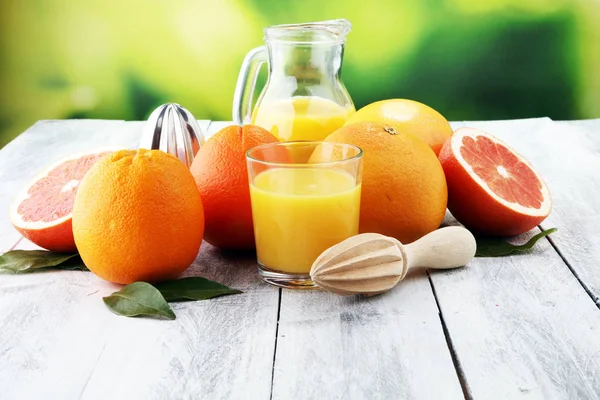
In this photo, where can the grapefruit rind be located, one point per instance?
(45, 233)
(456, 143)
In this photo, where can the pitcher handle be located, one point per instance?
(244, 89)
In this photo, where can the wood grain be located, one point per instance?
(523, 326)
(216, 126)
(58, 340)
(385, 347)
(518, 327)
(571, 167)
(567, 155)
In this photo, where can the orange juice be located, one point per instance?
(300, 212)
(301, 117)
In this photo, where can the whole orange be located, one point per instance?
(408, 116)
(220, 171)
(404, 191)
(138, 217)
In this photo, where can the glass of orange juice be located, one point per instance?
(305, 198)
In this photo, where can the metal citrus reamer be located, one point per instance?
(173, 129)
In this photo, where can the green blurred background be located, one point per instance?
(469, 59)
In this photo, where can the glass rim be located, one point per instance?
(288, 33)
(279, 41)
(353, 158)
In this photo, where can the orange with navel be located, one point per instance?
(408, 116)
(404, 191)
(220, 171)
(138, 217)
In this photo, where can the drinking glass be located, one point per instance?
(305, 198)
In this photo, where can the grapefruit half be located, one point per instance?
(42, 211)
(491, 188)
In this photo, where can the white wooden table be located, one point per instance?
(525, 326)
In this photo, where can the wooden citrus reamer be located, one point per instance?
(371, 263)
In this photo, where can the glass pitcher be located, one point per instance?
(304, 97)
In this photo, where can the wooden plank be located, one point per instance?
(381, 347)
(219, 348)
(522, 326)
(216, 126)
(571, 169)
(204, 124)
(567, 155)
(384, 347)
(59, 341)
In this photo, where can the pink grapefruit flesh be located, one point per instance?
(491, 188)
(42, 211)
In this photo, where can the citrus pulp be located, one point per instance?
(491, 188)
(42, 211)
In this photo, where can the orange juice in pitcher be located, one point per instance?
(301, 117)
(304, 97)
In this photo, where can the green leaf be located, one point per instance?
(19, 261)
(139, 298)
(74, 264)
(193, 288)
(497, 247)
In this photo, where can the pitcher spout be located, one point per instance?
(334, 30)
